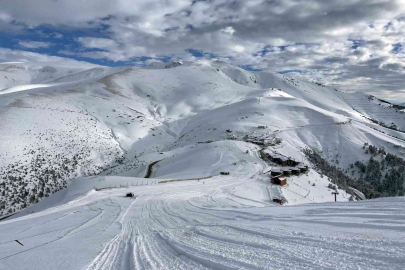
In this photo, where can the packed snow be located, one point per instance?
(216, 223)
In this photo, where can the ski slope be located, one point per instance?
(199, 225)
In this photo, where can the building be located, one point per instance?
(258, 142)
(286, 171)
(303, 168)
(295, 171)
(279, 181)
(275, 172)
(282, 160)
(279, 159)
(293, 162)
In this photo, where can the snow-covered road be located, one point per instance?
(202, 225)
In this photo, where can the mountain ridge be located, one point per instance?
(127, 116)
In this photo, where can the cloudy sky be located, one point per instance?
(348, 44)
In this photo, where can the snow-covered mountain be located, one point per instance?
(79, 131)
(60, 122)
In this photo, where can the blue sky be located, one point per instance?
(355, 45)
(56, 41)
(63, 42)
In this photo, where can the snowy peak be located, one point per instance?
(116, 121)
(12, 74)
(161, 65)
(177, 63)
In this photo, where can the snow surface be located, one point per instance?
(97, 129)
(216, 223)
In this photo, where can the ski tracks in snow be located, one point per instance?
(118, 253)
(205, 225)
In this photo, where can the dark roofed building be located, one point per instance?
(279, 159)
(295, 171)
(275, 172)
(286, 171)
(303, 168)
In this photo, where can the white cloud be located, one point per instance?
(57, 35)
(34, 44)
(99, 43)
(109, 49)
(228, 30)
(5, 17)
(238, 48)
(77, 12)
(318, 34)
(9, 55)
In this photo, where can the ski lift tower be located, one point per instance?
(336, 193)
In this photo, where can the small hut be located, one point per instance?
(279, 181)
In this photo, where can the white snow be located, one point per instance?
(216, 223)
(98, 130)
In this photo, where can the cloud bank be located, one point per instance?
(351, 44)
